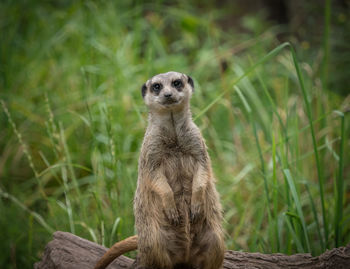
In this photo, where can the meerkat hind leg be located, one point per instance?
(208, 251)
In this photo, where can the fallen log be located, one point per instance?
(68, 251)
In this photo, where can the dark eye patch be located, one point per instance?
(156, 87)
(177, 84)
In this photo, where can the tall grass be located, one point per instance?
(339, 189)
(74, 119)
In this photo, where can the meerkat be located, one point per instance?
(177, 210)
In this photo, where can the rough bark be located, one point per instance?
(72, 252)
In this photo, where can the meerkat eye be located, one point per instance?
(177, 84)
(156, 87)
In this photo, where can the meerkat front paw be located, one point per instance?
(196, 212)
(172, 215)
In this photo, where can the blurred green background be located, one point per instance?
(72, 117)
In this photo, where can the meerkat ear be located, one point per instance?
(143, 90)
(190, 81)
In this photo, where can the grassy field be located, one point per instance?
(72, 122)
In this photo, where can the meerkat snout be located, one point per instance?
(168, 97)
(168, 94)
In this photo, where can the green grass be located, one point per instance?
(73, 120)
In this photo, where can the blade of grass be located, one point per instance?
(314, 212)
(294, 236)
(89, 229)
(275, 193)
(259, 219)
(114, 230)
(69, 159)
(298, 206)
(68, 202)
(272, 103)
(103, 233)
(340, 186)
(58, 165)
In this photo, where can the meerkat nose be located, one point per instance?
(168, 94)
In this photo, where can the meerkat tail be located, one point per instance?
(116, 250)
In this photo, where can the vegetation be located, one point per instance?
(73, 120)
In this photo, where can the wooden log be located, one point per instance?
(68, 251)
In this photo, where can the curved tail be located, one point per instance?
(116, 250)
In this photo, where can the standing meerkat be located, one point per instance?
(177, 209)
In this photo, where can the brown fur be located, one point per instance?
(116, 250)
(176, 206)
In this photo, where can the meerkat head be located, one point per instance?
(167, 91)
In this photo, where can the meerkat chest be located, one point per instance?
(180, 161)
(179, 169)
(177, 154)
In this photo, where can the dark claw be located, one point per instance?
(195, 213)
